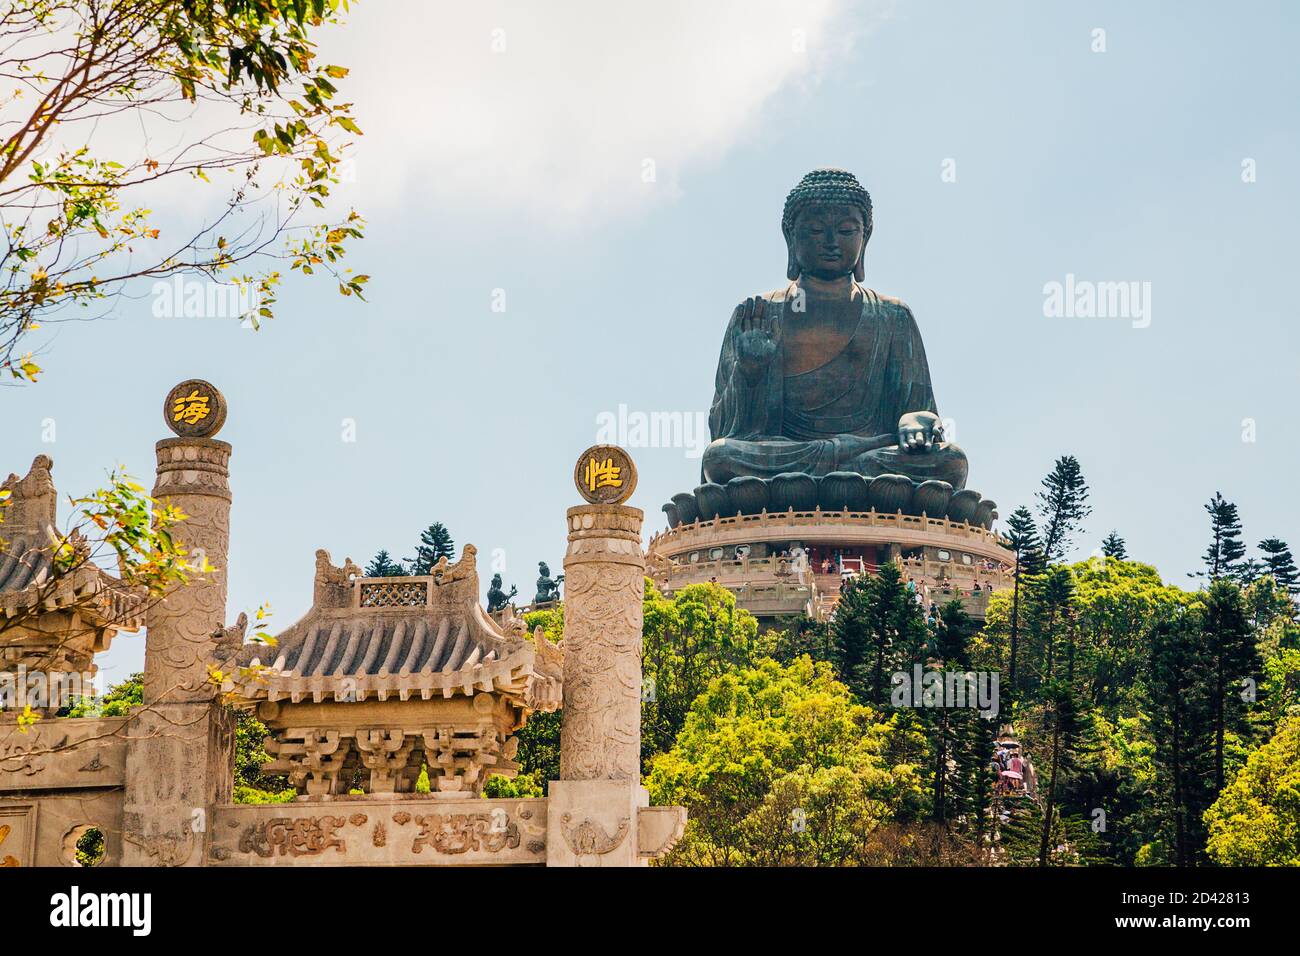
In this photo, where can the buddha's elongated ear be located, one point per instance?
(860, 269)
(791, 263)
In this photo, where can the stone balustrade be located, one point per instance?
(680, 537)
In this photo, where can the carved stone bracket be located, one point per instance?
(313, 760)
(386, 754)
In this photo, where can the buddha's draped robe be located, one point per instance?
(838, 412)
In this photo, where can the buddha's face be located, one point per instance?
(828, 240)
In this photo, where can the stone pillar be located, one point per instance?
(181, 757)
(592, 809)
(604, 586)
(194, 476)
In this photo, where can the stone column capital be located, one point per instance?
(606, 533)
(193, 466)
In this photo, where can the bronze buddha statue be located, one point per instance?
(826, 375)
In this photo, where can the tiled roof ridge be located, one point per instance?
(439, 642)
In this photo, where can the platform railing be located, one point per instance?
(871, 518)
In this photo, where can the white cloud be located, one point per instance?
(560, 119)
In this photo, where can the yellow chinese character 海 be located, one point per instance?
(193, 408)
(604, 474)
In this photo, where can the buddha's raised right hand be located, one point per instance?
(757, 333)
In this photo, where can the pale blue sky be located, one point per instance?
(481, 172)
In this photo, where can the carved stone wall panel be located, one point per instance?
(368, 832)
(63, 754)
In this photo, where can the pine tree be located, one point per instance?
(851, 636)
(1113, 547)
(1050, 624)
(435, 544)
(1062, 505)
(1062, 726)
(1223, 556)
(383, 566)
(1280, 564)
(879, 629)
(1250, 570)
(952, 634)
(961, 739)
(1022, 536)
(1230, 650)
(974, 777)
(948, 653)
(1092, 784)
(1179, 717)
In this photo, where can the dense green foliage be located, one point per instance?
(779, 766)
(688, 641)
(1256, 820)
(117, 701)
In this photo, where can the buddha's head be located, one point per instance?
(827, 222)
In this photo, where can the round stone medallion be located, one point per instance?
(605, 475)
(195, 409)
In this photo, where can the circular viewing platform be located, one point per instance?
(780, 564)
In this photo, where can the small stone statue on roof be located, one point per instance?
(332, 583)
(228, 640)
(496, 597)
(548, 588)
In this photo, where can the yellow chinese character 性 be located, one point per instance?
(603, 474)
(192, 409)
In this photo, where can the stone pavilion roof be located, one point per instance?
(401, 637)
(27, 572)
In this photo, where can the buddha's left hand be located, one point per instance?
(919, 431)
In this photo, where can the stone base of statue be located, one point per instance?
(838, 491)
(792, 562)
